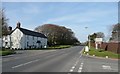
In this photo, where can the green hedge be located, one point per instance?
(52, 47)
(60, 47)
(6, 52)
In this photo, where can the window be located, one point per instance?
(37, 38)
(6, 43)
(27, 37)
(33, 44)
(27, 44)
(33, 37)
(5, 38)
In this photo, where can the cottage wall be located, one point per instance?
(44, 42)
(17, 39)
(31, 42)
(6, 41)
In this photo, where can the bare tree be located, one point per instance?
(3, 22)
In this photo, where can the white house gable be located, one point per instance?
(17, 39)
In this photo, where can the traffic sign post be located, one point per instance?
(97, 42)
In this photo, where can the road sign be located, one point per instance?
(97, 42)
(98, 39)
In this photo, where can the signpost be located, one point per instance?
(98, 41)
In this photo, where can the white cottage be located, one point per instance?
(21, 38)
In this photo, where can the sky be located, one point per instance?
(97, 16)
(60, 0)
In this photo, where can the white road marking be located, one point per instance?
(106, 67)
(73, 67)
(76, 63)
(25, 64)
(80, 68)
(81, 63)
(71, 70)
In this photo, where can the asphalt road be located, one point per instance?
(63, 60)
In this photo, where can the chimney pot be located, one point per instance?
(18, 25)
(10, 28)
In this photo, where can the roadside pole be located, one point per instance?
(89, 41)
(87, 47)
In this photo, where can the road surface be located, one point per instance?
(63, 60)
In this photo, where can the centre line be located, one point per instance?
(25, 64)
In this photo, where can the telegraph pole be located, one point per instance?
(88, 38)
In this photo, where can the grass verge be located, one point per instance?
(103, 53)
(59, 47)
(53, 47)
(6, 52)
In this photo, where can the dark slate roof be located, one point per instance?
(31, 33)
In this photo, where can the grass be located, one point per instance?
(52, 47)
(103, 53)
(6, 52)
(59, 47)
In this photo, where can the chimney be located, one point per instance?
(18, 25)
(10, 28)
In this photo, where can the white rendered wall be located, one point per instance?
(17, 39)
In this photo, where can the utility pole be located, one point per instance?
(88, 38)
(86, 29)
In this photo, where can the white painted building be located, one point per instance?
(21, 38)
